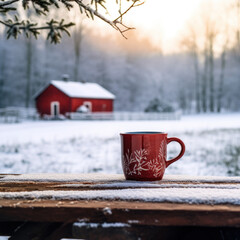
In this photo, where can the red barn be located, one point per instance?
(61, 97)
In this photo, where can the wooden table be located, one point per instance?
(45, 206)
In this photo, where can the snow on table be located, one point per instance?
(94, 177)
(112, 187)
(63, 177)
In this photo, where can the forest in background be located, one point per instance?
(203, 77)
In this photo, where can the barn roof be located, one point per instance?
(82, 90)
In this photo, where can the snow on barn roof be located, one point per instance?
(82, 90)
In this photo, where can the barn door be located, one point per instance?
(55, 109)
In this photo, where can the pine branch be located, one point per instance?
(4, 6)
(55, 28)
(28, 28)
(6, 3)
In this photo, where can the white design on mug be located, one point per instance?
(156, 167)
(139, 157)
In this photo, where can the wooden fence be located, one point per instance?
(16, 114)
(121, 116)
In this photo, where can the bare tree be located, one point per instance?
(205, 79)
(211, 35)
(223, 61)
(220, 90)
(29, 49)
(208, 77)
(77, 38)
(190, 42)
(197, 80)
(202, 40)
(46, 60)
(2, 74)
(237, 7)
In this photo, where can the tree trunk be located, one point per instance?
(204, 82)
(2, 77)
(211, 77)
(197, 84)
(183, 100)
(76, 67)
(238, 30)
(29, 70)
(46, 61)
(77, 50)
(221, 81)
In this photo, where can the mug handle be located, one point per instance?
(180, 154)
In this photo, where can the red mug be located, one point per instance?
(144, 155)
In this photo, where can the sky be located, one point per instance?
(163, 22)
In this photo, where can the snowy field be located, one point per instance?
(212, 145)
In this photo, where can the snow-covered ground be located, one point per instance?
(212, 145)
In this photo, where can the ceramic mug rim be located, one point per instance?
(143, 133)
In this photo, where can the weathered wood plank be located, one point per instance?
(156, 214)
(27, 186)
(130, 211)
